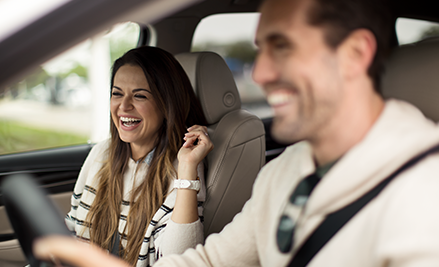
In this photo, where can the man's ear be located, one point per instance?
(357, 52)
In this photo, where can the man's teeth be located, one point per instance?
(125, 119)
(278, 99)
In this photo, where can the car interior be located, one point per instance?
(242, 140)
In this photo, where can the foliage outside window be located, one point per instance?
(413, 30)
(53, 107)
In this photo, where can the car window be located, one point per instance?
(65, 101)
(413, 30)
(232, 37)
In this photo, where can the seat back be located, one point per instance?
(412, 74)
(238, 137)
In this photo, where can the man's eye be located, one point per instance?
(280, 45)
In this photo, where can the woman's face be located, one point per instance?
(134, 111)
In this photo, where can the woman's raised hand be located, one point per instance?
(196, 147)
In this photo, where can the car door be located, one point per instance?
(56, 171)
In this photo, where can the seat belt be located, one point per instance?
(336, 220)
(115, 241)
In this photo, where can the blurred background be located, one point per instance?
(65, 101)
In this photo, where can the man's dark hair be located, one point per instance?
(339, 18)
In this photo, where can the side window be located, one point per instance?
(65, 101)
(232, 37)
(413, 30)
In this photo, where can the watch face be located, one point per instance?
(185, 184)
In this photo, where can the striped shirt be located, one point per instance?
(162, 236)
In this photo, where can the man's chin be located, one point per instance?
(283, 134)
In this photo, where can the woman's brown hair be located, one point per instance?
(177, 102)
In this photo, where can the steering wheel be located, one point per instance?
(31, 213)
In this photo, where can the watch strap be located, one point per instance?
(187, 184)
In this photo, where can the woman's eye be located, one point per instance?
(141, 96)
(116, 94)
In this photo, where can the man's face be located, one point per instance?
(299, 73)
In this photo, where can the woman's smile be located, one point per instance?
(129, 123)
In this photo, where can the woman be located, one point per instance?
(124, 200)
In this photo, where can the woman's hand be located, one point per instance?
(73, 252)
(190, 153)
(189, 156)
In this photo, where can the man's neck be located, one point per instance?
(349, 127)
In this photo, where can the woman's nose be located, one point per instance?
(126, 104)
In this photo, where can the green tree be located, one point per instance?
(242, 50)
(123, 40)
(430, 32)
(79, 69)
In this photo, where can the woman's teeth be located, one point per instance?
(129, 122)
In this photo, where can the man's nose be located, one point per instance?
(264, 70)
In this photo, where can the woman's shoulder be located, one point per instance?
(102, 145)
(98, 154)
(92, 164)
(100, 149)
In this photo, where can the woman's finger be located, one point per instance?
(197, 127)
(190, 141)
(198, 131)
(197, 134)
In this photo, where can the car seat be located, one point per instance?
(238, 137)
(411, 74)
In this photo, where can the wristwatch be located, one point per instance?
(188, 184)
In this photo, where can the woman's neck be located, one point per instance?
(139, 152)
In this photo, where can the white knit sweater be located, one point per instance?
(400, 227)
(163, 236)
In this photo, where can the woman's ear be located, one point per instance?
(357, 52)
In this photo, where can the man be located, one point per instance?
(319, 64)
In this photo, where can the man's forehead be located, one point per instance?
(279, 14)
(283, 9)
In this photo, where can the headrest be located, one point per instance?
(412, 74)
(213, 83)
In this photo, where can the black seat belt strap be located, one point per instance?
(115, 241)
(336, 220)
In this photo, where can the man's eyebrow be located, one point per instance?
(275, 37)
(271, 38)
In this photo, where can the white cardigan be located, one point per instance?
(163, 236)
(400, 227)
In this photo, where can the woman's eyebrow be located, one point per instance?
(134, 90)
(141, 89)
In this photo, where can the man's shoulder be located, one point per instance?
(288, 167)
(292, 154)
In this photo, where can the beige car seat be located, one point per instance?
(412, 74)
(237, 134)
